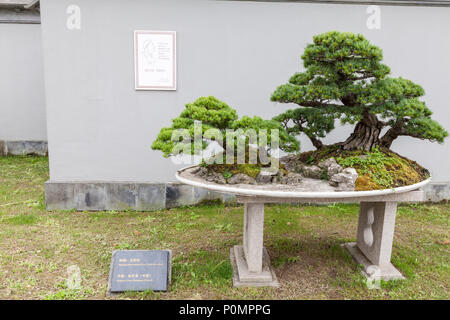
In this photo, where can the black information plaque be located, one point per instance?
(140, 270)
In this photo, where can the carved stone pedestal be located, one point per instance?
(372, 249)
(251, 262)
(374, 239)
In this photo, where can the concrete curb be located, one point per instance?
(100, 196)
(20, 148)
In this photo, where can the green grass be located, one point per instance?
(37, 247)
(21, 219)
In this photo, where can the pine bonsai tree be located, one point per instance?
(345, 79)
(209, 110)
(216, 118)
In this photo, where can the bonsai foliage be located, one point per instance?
(213, 114)
(286, 142)
(312, 122)
(345, 79)
(220, 123)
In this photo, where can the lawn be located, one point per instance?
(37, 247)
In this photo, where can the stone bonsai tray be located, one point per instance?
(375, 232)
(307, 189)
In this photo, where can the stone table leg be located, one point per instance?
(374, 239)
(251, 262)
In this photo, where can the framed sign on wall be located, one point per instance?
(155, 60)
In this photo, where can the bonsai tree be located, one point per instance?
(209, 110)
(220, 123)
(345, 79)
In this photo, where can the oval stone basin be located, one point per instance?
(308, 188)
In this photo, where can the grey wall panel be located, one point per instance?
(22, 99)
(100, 128)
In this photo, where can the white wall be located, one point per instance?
(100, 128)
(22, 100)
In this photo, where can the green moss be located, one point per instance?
(314, 157)
(377, 169)
(372, 167)
(229, 170)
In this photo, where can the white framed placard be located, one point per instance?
(155, 60)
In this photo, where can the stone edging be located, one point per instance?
(16, 15)
(99, 196)
(19, 148)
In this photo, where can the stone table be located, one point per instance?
(374, 236)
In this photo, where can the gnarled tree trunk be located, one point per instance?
(388, 138)
(366, 134)
(316, 142)
(393, 133)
